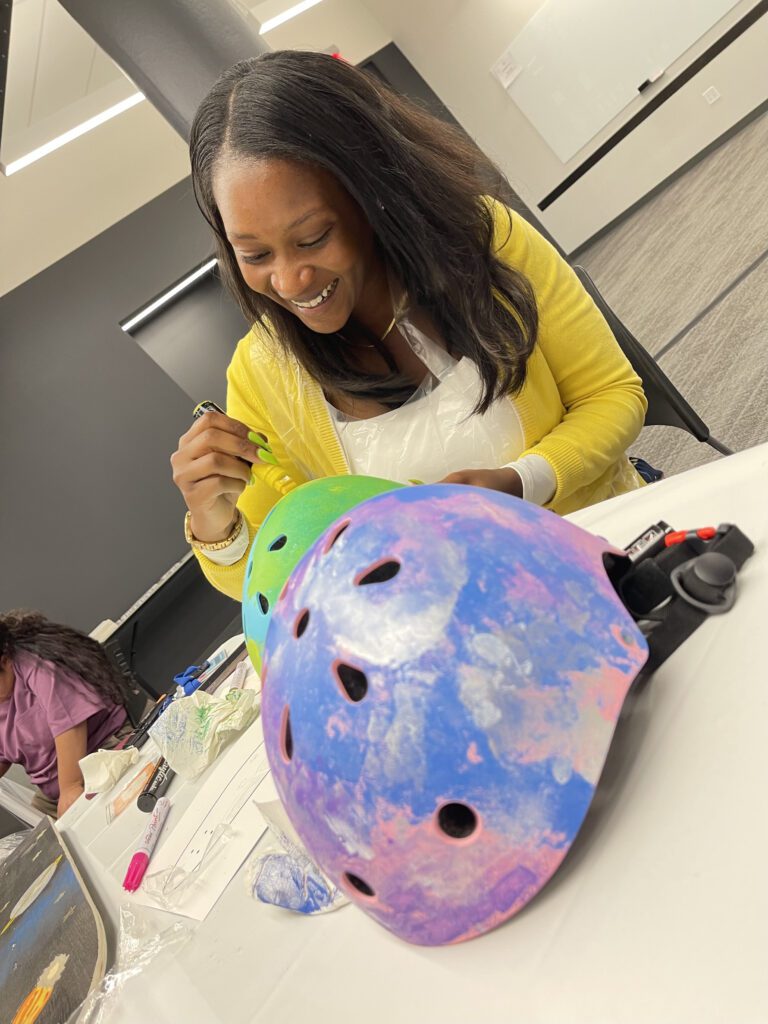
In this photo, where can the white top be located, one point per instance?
(436, 432)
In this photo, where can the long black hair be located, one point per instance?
(32, 633)
(421, 185)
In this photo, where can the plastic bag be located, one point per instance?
(139, 944)
(171, 886)
(9, 843)
(282, 873)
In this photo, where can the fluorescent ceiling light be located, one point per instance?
(166, 297)
(271, 23)
(73, 133)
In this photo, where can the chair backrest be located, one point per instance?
(666, 406)
(137, 696)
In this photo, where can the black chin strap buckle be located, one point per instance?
(706, 582)
(673, 581)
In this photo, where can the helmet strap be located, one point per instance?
(671, 582)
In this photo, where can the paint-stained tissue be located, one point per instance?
(194, 729)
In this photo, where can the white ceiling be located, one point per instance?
(57, 77)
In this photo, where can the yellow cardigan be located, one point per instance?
(580, 408)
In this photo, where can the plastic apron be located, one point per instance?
(435, 432)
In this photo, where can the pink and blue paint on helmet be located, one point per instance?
(444, 673)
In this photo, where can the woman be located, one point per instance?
(406, 323)
(60, 699)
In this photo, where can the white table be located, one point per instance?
(659, 915)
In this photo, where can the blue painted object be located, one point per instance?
(444, 673)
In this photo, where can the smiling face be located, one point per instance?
(301, 240)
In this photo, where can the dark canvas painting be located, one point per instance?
(51, 938)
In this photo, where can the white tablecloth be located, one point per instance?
(658, 916)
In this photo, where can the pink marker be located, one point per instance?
(140, 859)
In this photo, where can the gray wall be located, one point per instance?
(89, 516)
(192, 340)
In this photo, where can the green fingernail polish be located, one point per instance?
(265, 456)
(415, 481)
(258, 439)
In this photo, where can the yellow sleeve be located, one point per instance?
(244, 404)
(602, 401)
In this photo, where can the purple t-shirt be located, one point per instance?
(45, 702)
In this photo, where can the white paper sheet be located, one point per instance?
(226, 797)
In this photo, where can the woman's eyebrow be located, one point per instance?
(294, 224)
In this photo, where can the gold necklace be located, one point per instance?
(363, 344)
(389, 328)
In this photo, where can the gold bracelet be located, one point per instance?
(216, 545)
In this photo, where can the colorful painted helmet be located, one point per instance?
(287, 533)
(444, 673)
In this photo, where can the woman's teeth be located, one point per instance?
(318, 300)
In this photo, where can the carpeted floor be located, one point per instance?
(688, 274)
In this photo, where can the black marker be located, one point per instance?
(159, 781)
(265, 452)
(203, 407)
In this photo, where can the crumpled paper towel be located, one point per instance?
(103, 768)
(192, 731)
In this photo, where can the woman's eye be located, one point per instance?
(316, 241)
(258, 258)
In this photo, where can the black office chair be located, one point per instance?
(666, 406)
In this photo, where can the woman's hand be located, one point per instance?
(211, 468)
(506, 480)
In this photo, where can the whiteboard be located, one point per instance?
(578, 63)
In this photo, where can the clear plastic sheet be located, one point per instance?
(9, 843)
(139, 944)
(281, 872)
(171, 887)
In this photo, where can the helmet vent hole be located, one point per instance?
(353, 680)
(286, 736)
(301, 623)
(382, 572)
(357, 883)
(278, 542)
(457, 821)
(249, 570)
(335, 536)
(263, 602)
